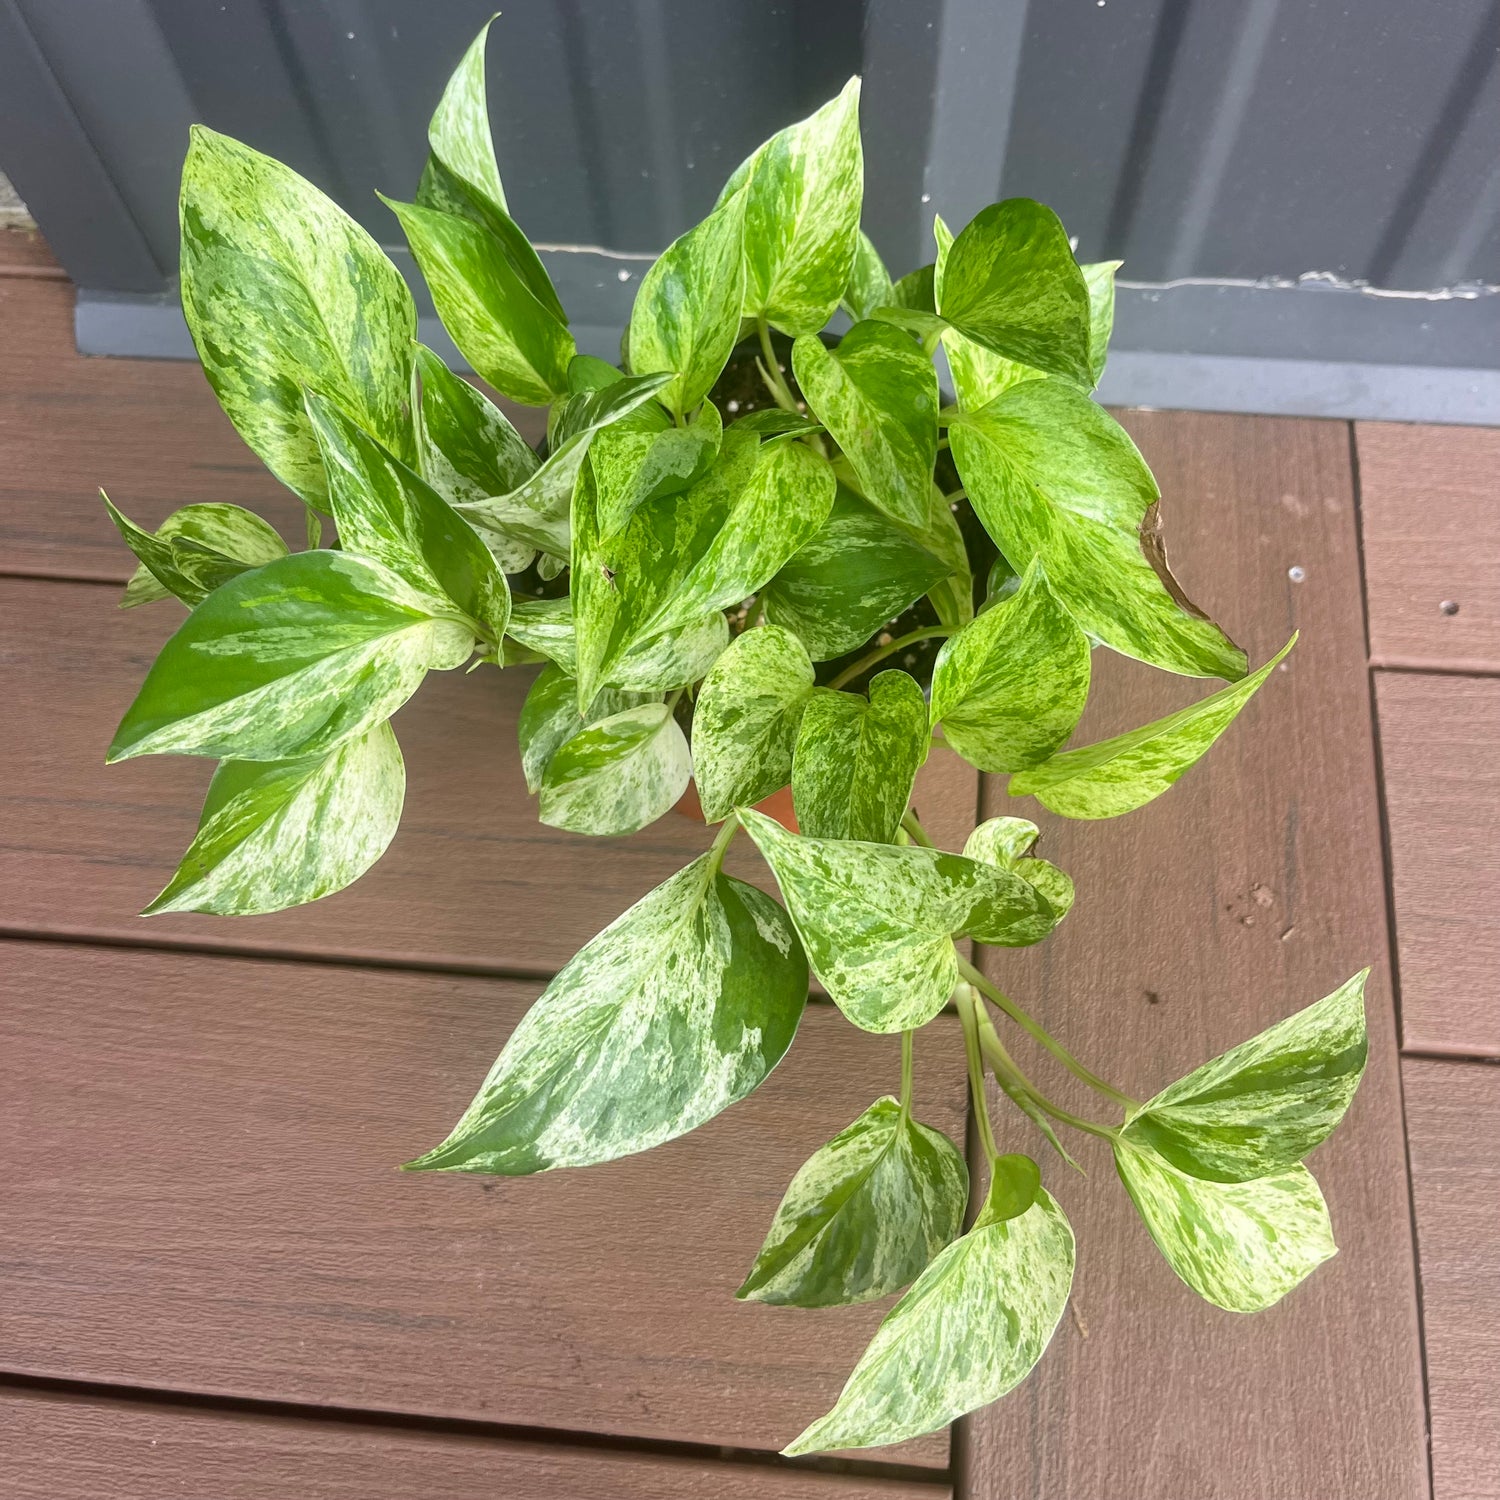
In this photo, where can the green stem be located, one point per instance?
(753, 614)
(722, 840)
(1001, 1060)
(1039, 1033)
(906, 1071)
(879, 654)
(968, 1006)
(771, 369)
(910, 823)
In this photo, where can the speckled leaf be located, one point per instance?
(1010, 687)
(1099, 277)
(1121, 774)
(194, 550)
(546, 627)
(632, 467)
(859, 571)
(952, 597)
(283, 290)
(1240, 1245)
(676, 1010)
(1011, 284)
(1006, 843)
(806, 187)
(1264, 1105)
(863, 1215)
(680, 557)
(971, 1328)
(869, 282)
(856, 759)
(550, 718)
(686, 316)
(674, 658)
(290, 660)
(878, 920)
(387, 512)
(512, 338)
(1053, 475)
(618, 774)
(276, 834)
(772, 422)
(746, 717)
(877, 393)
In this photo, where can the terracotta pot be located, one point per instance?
(778, 805)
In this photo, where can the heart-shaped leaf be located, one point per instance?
(1118, 775)
(283, 292)
(1053, 475)
(863, 1215)
(550, 718)
(193, 551)
(1240, 1245)
(275, 834)
(746, 718)
(674, 658)
(1006, 843)
(1010, 687)
(878, 920)
(676, 1010)
(632, 467)
(857, 758)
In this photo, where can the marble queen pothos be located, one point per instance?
(709, 590)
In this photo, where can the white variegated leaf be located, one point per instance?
(1005, 843)
(618, 774)
(674, 658)
(550, 718)
(869, 282)
(632, 466)
(194, 550)
(1099, 278)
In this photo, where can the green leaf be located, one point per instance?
(805, 190)
(858, 572)
(1053, 475)
(971, 1328)
(877, 393)
(674, 658)
(618, 774)
(746, 717)
(863, 1215)
(290, 660)
(917, 290)
(1099, 277)
(878, 920)
(686, 316)
(1121, 774)
(772, 422)
(283, 291)
(856, 759)
(1006, 843)
(388, 513)
(459, 132)
(1264, 1105)
(1010, 283)
(632, 467)
(276, 834)
(952, 598)
(1240, 1245)
(1010, 687)
(546, 627)
(193, 551)
(676, 1010)
(869, 282)
(513, 339)
(680, 557)
(550, 718)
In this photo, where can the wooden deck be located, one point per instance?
(212, 1282)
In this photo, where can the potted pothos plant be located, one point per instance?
(735, 544)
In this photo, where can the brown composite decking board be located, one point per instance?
(1430, 514)
(207, 1201)
(1251, 889)
(1439, 737)
(1453, 1122)
(69, 1448)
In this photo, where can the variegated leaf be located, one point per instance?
(1118, 775)
(1264, 1105)
(863, 1215)
(859, 571)
(1240, 1245)
(511, 337)
(290, 660)
(869, 282)
(283, 291)
(1006, 843)
(275, 834)
(746, 717)
(632, 467)
(878, 920)
(676, 1010)
(1011, 284)
(971, 1328)
(686, 316)
(1053, 475)
(387, 512)
(618, 774)
(877, 393)
(193, 551)
(674, 658)
(805, 190)
(550, 718)
(772, 422)
(1010, 687)
(545, 626)
(1099, 277)
(856, 759)
(952, 598)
